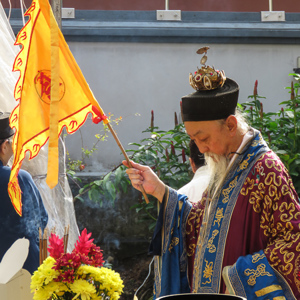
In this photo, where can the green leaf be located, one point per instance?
(124, 185)
(152, 226)
(135, 144)
(106, 178)
(111, 190)
(79, 198)
(281, 152)
(94, 195)
(257, 103)
(98, 182)
(118, 176)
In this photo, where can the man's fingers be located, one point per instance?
(135, 165)
(125, 163)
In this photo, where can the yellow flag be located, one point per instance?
(51, 91)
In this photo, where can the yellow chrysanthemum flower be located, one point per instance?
(41, 294)
(49, 290)
(44, 274)
(111, 282)
(83, 289)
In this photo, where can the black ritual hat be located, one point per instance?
(5, 130)
(215, 98)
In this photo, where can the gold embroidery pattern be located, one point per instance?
(244, 164)
(260, 271)
(193, 224)
(256, 257)
(219, 216)
(268, 290)
(297, 272)
(260, 141)
(227, 191)
(210, 246)
(275, 200)
(248, 186)
(208, 271)
(174, 242)
(191, 249)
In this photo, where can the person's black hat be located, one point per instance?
(208, 105)
(5, 130)
(215, 98)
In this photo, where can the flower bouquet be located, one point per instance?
(77, 275)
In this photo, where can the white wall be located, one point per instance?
(135, 78)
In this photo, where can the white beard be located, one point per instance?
(217, 165)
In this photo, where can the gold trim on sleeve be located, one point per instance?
(268, 289)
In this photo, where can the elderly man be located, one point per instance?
(243, 237)
(34, 215)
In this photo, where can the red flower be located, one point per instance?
(83, 243)
(175, 119)
(292, 91)
(152, 120)
(183, 156)
(96, 256)
(68, 276)
(56, 246)
(255, 88)
(172, 149)
(68, 261)
(167, 155)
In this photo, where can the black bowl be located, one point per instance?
(196, 296)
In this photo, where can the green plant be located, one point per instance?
(102, 188)
(79, 165)
(282, 129)
(164, 151)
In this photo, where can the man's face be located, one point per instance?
(209, 136)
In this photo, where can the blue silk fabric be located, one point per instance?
(168, 244)
(254, 278)
(13, 226)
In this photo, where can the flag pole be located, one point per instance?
(126, 157)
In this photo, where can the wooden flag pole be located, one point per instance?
(126, 157)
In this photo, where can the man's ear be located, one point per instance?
(231, 123)
(4, 147)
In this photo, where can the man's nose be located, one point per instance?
(202, 148)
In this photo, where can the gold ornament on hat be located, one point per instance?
(206, 78)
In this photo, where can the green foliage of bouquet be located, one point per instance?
(77, 275)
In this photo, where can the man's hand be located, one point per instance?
(143, 175)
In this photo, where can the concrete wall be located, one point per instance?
(135, 63)
(131, 79)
